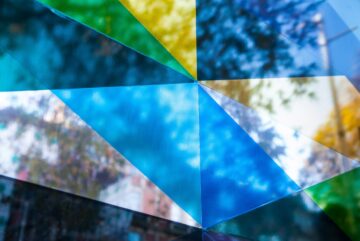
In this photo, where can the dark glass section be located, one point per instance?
(295, 217)
(205, 235)
(212, 236)
(339, 198)
(195, 236)
(30, 212)
(61, 53)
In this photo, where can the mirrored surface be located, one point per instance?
(236, 174)
(173, 23)
(42, 141)
(30, 212)
(325, 109)
(257, 39)
(155, 127)
(61, 53)
(295, 217)
(339, 198)
(304, 160)
(111, 18)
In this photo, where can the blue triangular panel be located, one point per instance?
(236, 174)
(155, 127)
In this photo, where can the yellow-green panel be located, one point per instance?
(111, 18)
(173, 23)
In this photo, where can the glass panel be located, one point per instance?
(236, 174)
(325, 109)
(339, 198)
(155, 127)
(42, 141)
(111, 18)
(295, 217)
(303, 159)
(61, 53)
(257, 39)
(30, 212)
(173, 23)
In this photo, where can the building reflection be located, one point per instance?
(43, 142)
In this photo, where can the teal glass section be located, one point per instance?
(13, 76)
(236, 174)
(155, 127)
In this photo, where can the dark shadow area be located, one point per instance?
(30, 212)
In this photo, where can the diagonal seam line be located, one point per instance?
(280, 169)
(143, 174)
(325, 147)
(67, 17)
(161, 43)
(275, 121)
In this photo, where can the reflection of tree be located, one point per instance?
(173, 23)
(339, 198)
(234, 40)
(267, 136)
(80, 161)
(74, 55)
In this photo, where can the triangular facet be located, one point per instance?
(340, 199)
(348, 12)
(111, 18)
(62, 53)
(304, 160)
(303, 104)
(295, 217)
(155, 127)
(173, 23)
(44, 142)
(13, 76)
(236, 174)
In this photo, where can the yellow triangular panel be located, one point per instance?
(173, 23)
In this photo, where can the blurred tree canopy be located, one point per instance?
(350, 114)
(64, 153)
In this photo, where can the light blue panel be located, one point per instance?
(155, 127)
(236, 174)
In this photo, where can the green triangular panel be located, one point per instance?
(111, 18)
(340, 199)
